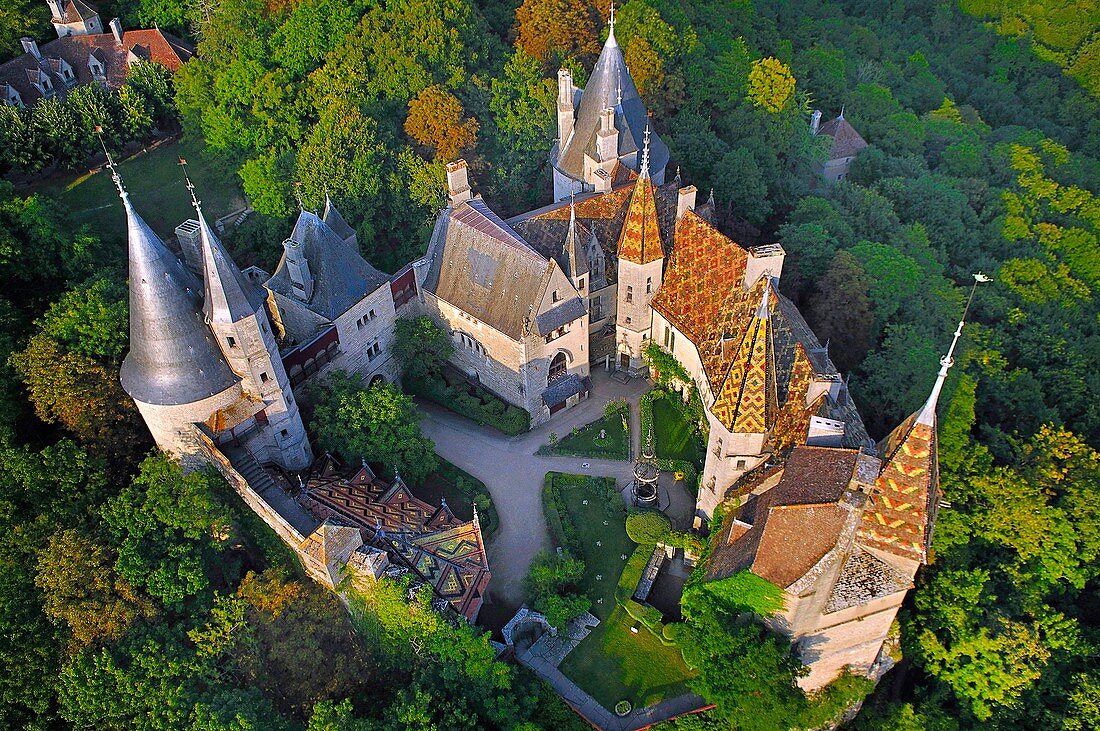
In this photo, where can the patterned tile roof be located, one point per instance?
(640, 238)
(746, 401)
(444, 552)
(906, 494)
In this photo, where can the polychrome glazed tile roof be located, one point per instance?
(640, 239)
(444, 552)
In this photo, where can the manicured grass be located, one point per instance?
(587, 442)
(674, 437)
(156, 187)
(613, 663)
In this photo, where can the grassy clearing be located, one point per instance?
(155, 182)
(613, 663)
(675, 437)
(587, 443)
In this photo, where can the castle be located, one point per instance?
(620, 261)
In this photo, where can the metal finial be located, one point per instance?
(298, 195)
(644, 172)
(190, 187)
(619, 98)
(611, 26)
(111, 165)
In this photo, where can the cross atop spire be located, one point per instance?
(190, 187)
(643, 172)
(611, 25)
(927, 415)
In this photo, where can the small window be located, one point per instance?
(648, 285)
(263, 377)
(741, 464)
(232, 341)
(556, 295)
(629, 293)
(371, 315)
(580, 284)
(285, 433)
(628, 320)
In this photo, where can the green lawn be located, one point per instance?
(613, 663)
(675, 438)
(156, 186)
(587, 442)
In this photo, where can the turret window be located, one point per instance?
(555, 296)
(580, 284)
(629, 293)
(232, 342)
(264, 377)
(648, 285)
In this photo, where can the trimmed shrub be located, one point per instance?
(647, 527)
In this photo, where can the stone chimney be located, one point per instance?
(763, 259)
(297, 267)
(31, 46)
(57, 9)
(607, 139)
(685, 201)
(565, 106)
(458, 182)
(815, 122)
(187, 234)
(116, 29)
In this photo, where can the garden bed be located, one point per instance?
(455, 392)
(613, 663)
(586, 442)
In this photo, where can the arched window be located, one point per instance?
(557, 368)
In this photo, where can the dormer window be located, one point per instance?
(555, 296)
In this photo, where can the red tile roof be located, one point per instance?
(846, 141)
(640, 239)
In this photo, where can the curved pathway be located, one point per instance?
(514, 474)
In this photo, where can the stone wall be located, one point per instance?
(359, 332)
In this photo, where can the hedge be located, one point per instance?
(647, 527)
(485, 408)
(632, 573)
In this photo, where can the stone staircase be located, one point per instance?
(263, 485)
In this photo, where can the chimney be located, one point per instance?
(815, 121)
(116, 28)
(607, 139)
(764, 259)
(57, 9)
(458, 182)
(31, 47)
(301, 281)
(565, 106)
(685, 201)
(187, 234)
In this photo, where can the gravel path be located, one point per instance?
(514, 474)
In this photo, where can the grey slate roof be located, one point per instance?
(479, 264)
(610, 76)
(863, 579)
(336, 222)
(573, 258)
(562, 389)
(229, 295)
(173, 358)
(549, 321)
(341, 277)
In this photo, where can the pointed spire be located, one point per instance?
(747, 400)
(611, 42)
(927, 415)
(173, 358)
(640, 239)
(226, 299)
(644, 170)
(574, 260)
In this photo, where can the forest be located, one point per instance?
(135, 596)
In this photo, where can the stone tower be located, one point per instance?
(174, 371)
(238, 318)
(641, 264)
(601, 127)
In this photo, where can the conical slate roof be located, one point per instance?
(228, 297)
(574, 258)
(173, 358)
(335, 221)
(609, 86)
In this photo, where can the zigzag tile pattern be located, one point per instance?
(640, 239)
(445, 553)
(906, 493)
(747, 402)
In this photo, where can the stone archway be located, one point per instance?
(559, 366)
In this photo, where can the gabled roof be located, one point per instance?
(444, 552)
(482, 266)
(640, 238)
(846, 141)
(77, 11)
(154, 45)
(341, 277)
(609, 85)
(173, 358)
